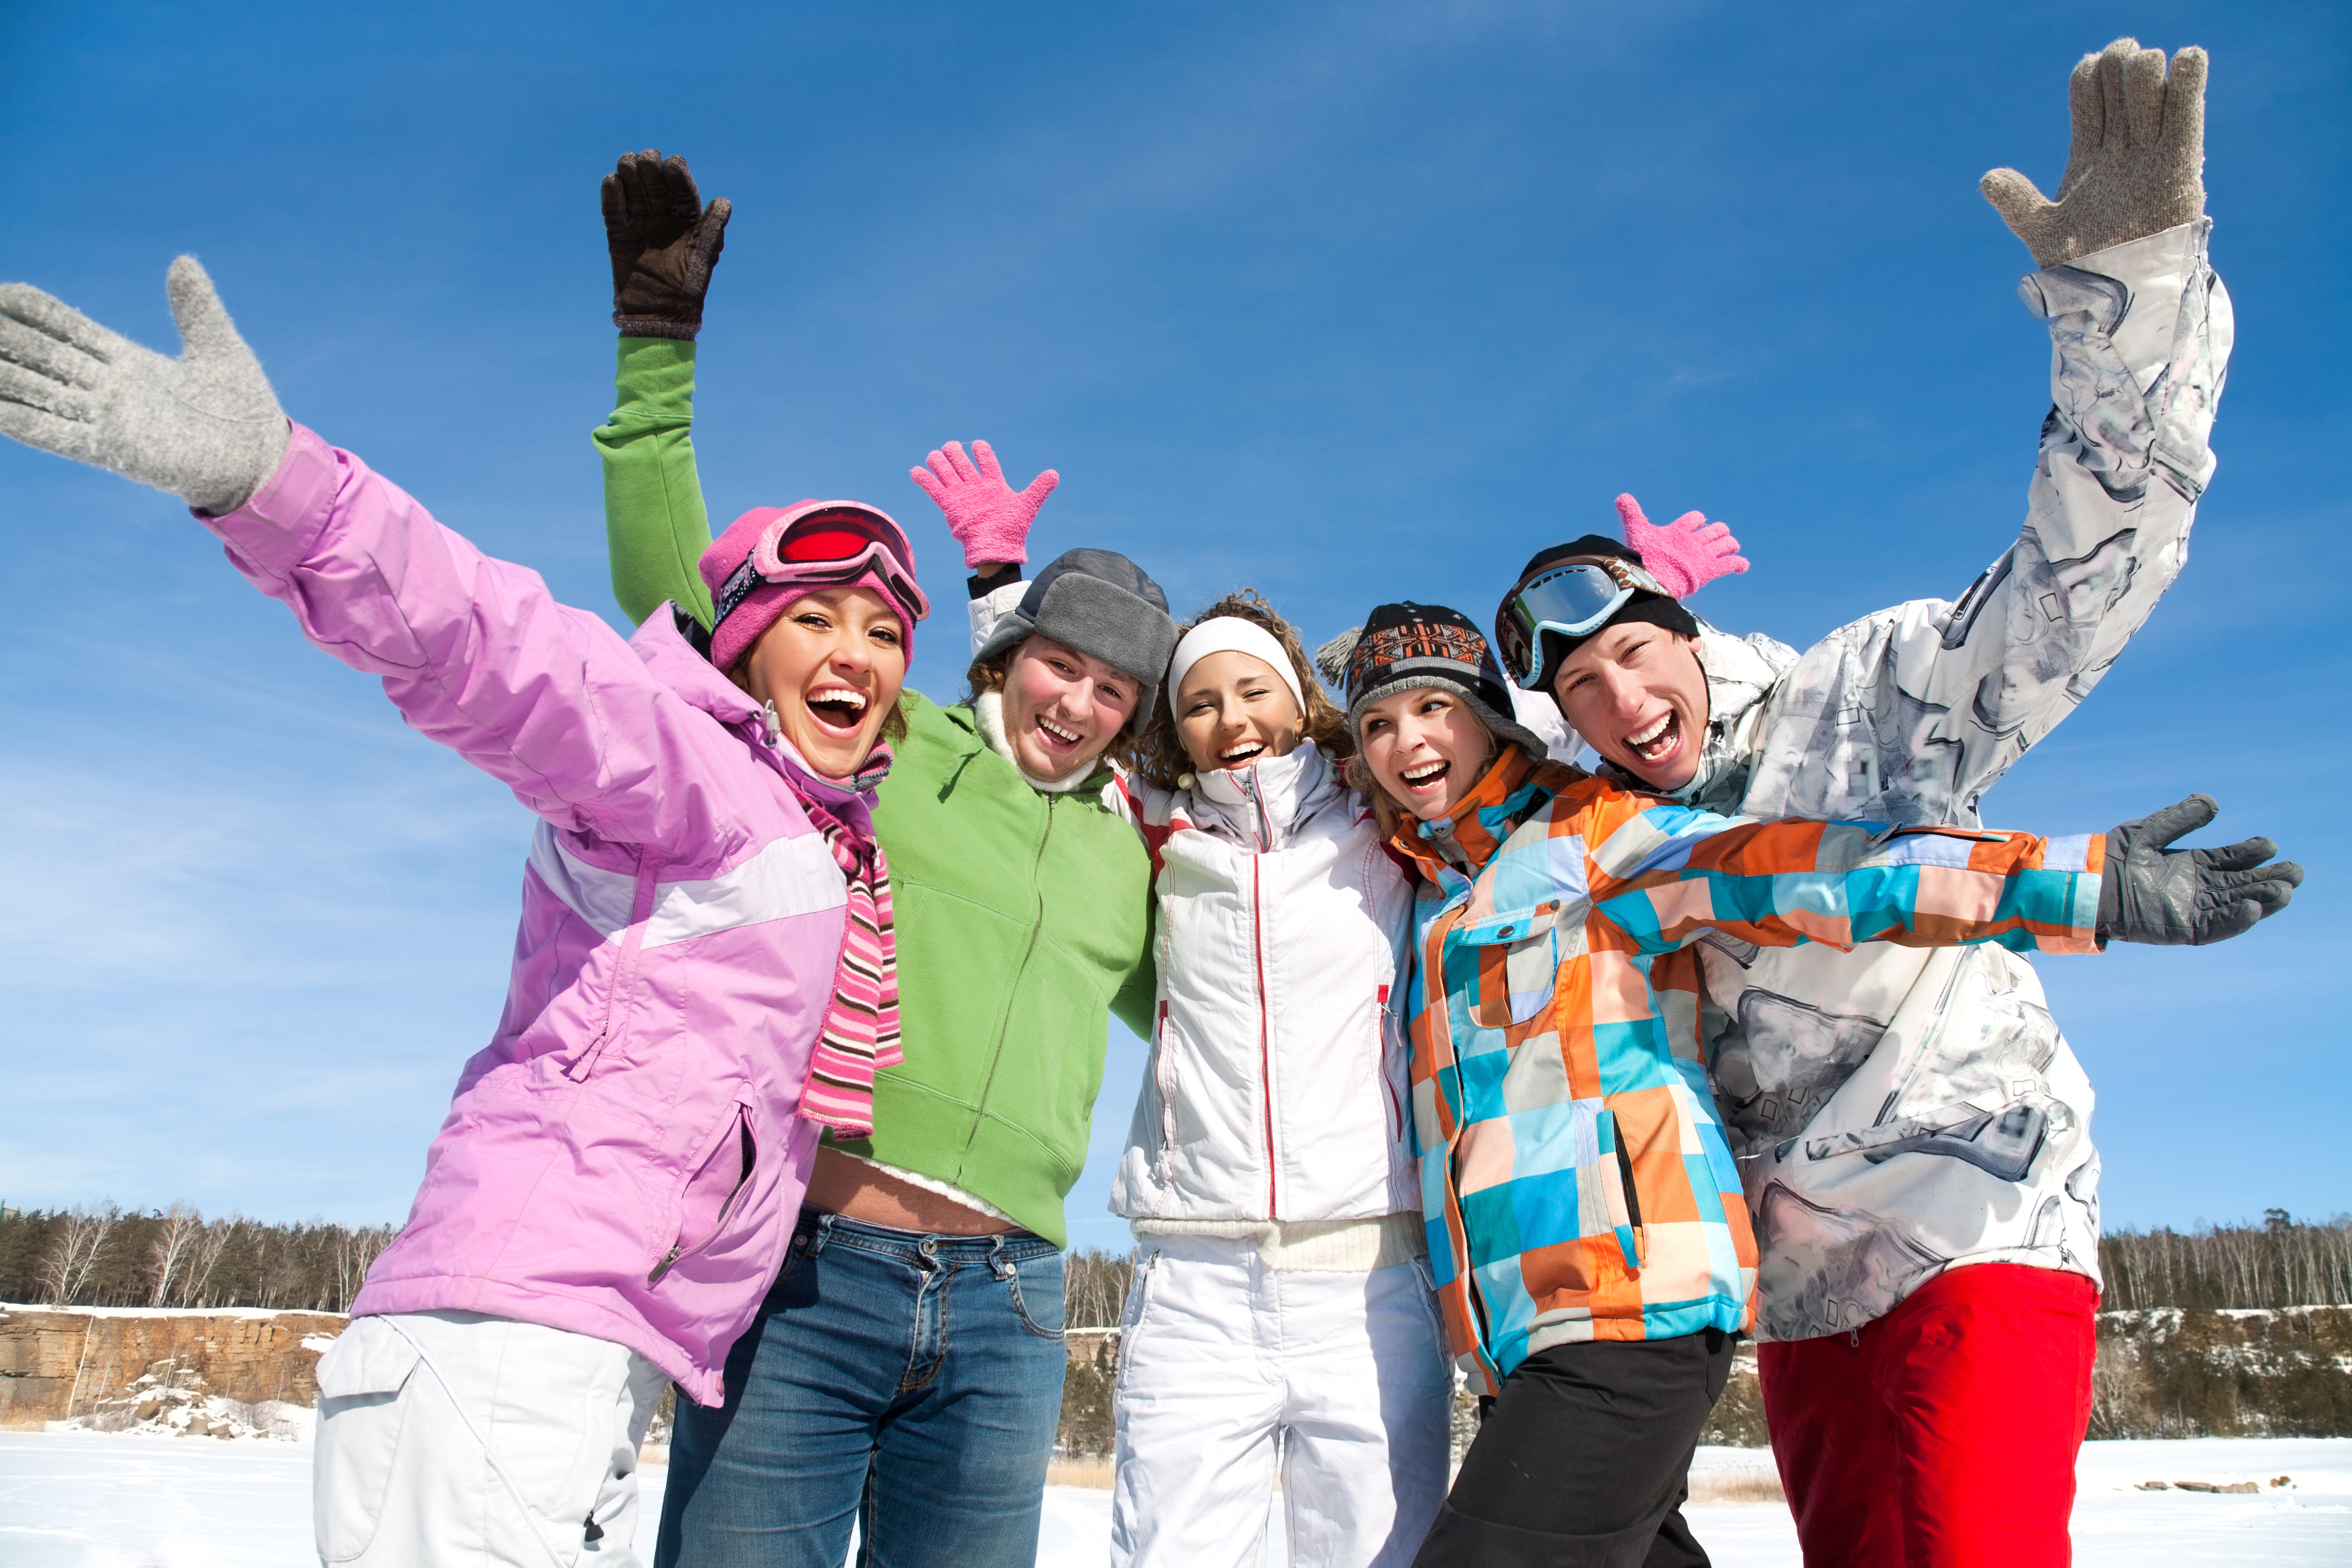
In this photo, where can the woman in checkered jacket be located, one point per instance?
(1592, 1252)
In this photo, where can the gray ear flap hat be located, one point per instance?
(1105, 606)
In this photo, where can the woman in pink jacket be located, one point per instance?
(705, 975)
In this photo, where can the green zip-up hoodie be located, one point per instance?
(1022, 917)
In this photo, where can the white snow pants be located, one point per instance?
(455, 1438)
(1221, 1353)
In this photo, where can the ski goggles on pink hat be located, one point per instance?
(803, 549)
(1574, 597)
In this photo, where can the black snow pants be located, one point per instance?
(1583, 1461)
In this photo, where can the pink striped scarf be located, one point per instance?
(861, 1025)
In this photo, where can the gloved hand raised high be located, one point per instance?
(2134, 166)
(1687, 554)
(2187, 897)
(988, 517)
(205, 426)
(664, 243)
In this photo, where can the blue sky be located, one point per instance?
(1347, 302)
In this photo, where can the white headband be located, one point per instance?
(1231, 634)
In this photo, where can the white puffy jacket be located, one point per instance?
(1276, 1085)
(1897, 1111)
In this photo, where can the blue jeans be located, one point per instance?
(910, 1381)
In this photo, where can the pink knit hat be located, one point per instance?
(772, 556)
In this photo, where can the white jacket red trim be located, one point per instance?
(1276, 1090)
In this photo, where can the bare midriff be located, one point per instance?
(856, 1190)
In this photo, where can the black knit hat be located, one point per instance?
(1405, 646)
(1643, 608)
(1104, 605)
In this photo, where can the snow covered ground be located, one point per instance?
(87, 1500)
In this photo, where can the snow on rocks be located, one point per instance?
(172, 1400)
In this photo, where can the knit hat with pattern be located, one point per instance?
(1406, 646)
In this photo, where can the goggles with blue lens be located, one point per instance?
(1574, 597)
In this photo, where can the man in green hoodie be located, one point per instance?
(906, 1367)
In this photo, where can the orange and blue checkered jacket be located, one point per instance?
(1576, 1182)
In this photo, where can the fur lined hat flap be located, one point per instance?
(1104, 605)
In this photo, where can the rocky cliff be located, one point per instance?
(56, 1364)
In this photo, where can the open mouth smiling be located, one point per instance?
(1657, 740)
(838, 710)
(1056, 736)
(1241, 753)
(1423, 777)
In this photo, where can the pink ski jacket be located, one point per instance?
(623, 1159)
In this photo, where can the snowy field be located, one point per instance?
(84, 1499)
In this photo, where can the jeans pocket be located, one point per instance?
(1038, 1297)
(796, 1252)
(361, 1411)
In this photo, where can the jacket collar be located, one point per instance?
(676, 664)
(1264, 802)
(1514, 788)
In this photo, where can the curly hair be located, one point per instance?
(1161, 759)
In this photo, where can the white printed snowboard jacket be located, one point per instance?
(1896, 1111)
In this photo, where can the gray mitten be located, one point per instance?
(2187, 897)
(2134, 166)
(205, 426)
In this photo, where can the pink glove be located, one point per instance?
(1687, 554)
(987, 518)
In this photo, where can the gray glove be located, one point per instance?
(2187, 897)
(205, 426)
(2134, 165)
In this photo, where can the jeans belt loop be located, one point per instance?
(996, 1261)
(823, 1233)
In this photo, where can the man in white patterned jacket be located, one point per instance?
(1898, 1113)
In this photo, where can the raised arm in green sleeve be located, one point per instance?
(655, 524)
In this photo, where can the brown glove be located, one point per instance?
(664, 243)
(2134, 167)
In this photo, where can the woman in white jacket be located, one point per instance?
(1282, 1308)
(1279, 1310)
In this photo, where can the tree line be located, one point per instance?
(2282, 1262)
(111, 1256)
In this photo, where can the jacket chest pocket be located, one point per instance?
(1516, 959)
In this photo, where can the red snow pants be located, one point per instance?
(1944, 1434)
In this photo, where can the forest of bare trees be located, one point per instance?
(2282, 1262)
(1094, 1287)
(175, 1258)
